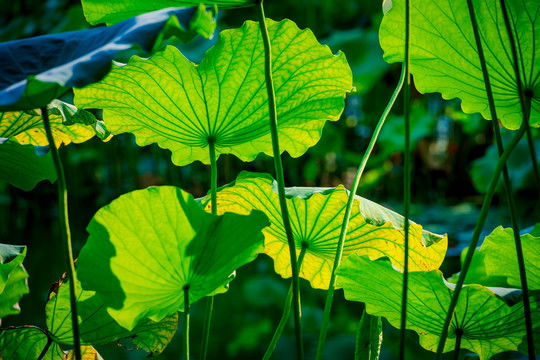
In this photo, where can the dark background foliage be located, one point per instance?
(451, 165)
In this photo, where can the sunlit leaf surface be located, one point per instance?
(148, 246)
(316, 217)
(444, 57)
(491, 322)
(27, 344)
(182, 106)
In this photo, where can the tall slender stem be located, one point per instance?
(406, 179)
(476, 234)
(185, 330)
(66, 233)
(532, 151)
(525, 102)
(213, 202)
(285, 316)
(459, 334)
(347, 217)
(280, 179)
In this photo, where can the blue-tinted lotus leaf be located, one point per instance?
(444, 56)
(68, 124)
(27, 344)
(96, 326)
(492, 319)
(36, 70)
(24, 166)
(316, 216)
(500, 256)
(111, 12)
(149, 245)
(182, 106)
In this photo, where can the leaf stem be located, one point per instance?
(347, 217)
(406, 179)
(476, 234)
(185, 326)
(286, 312)
(46, 348)
(66, 233)
(280, 179)
(213, 199)
(459, 334)
(532, 151)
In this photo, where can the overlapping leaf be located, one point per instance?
(27, 344)
(12, 278)
(148, 246)
(316, 217)
(491, 323)
(111, 12)
(444, 57)
(27, 126)
(24, 166)
(36, 70)
(183, 107)
(96, 326)
(500, 256)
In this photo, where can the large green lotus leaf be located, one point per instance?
(149, 245)
(96, 326)
(27, 126)
(111, 12)
(500, 257)
(444, 57)
(34, 71)
(24, 166)
(491, 323)
(182, 106)
(316, 216)
(15, 287)
(27, 343)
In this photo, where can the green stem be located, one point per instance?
(476, 234)
(213, 199)
(406, 179)
(525, 102)
(280, 179)
(532, 151)
(185, 329)
(459, 334)
(347, 217)
(66, 233)
(285, 317)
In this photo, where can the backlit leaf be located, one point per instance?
(27, 344)
(96, 326)
(15, 287)
(34, 71)
(369, 337)
(24, 166)
(491, 322)
(182, 106)
(444, 57)
(316, 217)
(147, 246)
(87, 353)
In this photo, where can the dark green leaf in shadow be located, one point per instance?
(34, 71)
(491, 319)
(369, 337)
(111, 12)
(27, 343)
(182, 106)
(96, 326)
(24, 166)
(316, 218)
(147, 246)
(444, 56)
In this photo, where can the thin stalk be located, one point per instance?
(459, 334)
(347, 217)
(532, 151)
(213, 202)
(185, 332)
(406, 179)
(525, 102)
(66, 233)
(285, 317)
(46, 348)
(476, 234)
(280, 179)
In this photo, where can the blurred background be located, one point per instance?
(453, 157)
